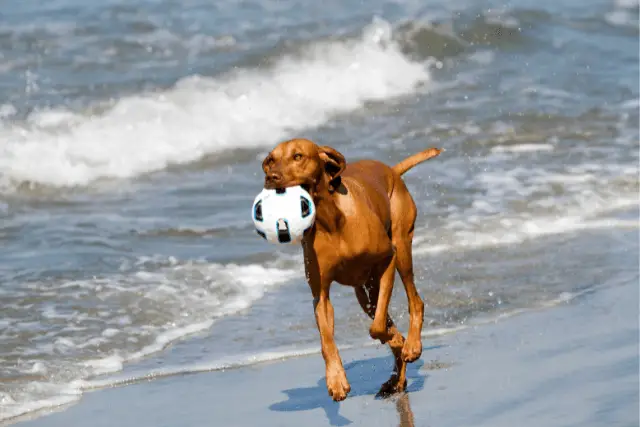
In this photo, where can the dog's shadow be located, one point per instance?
(365, 376)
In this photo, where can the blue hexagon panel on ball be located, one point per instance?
(283, 215)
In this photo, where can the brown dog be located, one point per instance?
(362, 234)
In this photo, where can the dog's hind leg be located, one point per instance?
(368, 298)
(413, 345)
(403, 216)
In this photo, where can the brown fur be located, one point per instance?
(363, 233)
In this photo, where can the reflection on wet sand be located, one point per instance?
(403, 406)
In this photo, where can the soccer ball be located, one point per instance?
(283, 215)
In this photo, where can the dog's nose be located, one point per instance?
(274, 177)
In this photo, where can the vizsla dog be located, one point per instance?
(362, 234)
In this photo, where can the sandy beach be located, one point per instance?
(575, 364)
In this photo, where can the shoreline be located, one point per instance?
(250, 360)
(458, 373)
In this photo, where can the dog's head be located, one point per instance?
(302, 162)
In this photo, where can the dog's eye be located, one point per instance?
(297, 157)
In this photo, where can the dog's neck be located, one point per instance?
(329, 218)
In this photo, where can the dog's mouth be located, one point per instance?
(280, 188)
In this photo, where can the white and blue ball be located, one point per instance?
(283, 215)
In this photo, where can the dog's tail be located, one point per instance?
(416, 159)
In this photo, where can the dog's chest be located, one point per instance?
(357, 260)
(353, 274)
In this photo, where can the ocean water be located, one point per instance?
(131, 136)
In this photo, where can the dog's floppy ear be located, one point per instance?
(334, 164)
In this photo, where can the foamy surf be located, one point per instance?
(201, 115)
(138, 313)
(507, 232)
(624, 14)
(530, 203)
(65, 395)
(522, 148)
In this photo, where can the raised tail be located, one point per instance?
(416, 159)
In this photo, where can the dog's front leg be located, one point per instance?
(337, 384)
(320, 279)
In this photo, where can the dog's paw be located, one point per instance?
(411, 350)
(337, 385)
(392, 386)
